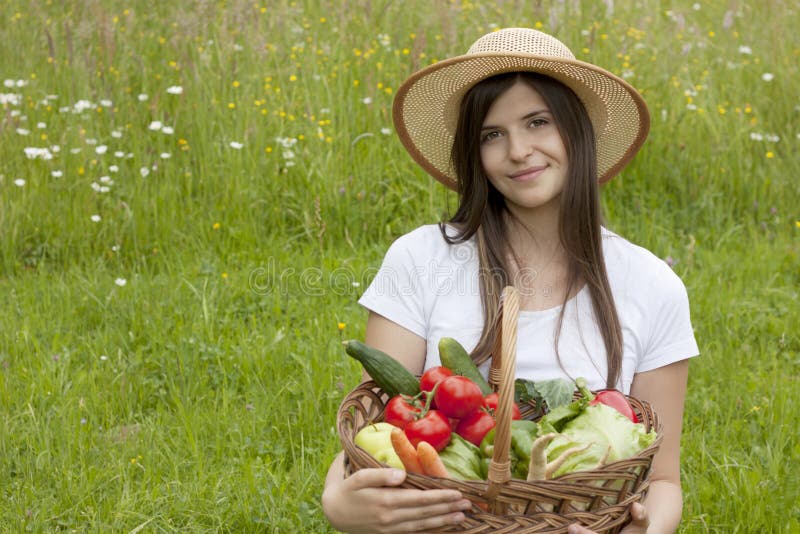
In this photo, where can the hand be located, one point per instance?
(369, 501)
(638, 525)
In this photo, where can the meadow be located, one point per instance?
(193, 194)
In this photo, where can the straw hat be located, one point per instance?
(426, 105)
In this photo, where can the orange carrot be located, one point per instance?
(406, 451)
(430, 461)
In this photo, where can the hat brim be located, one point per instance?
(426, 107)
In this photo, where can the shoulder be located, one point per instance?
(633, 265)
(427, 242)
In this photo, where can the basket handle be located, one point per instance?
(504, 365)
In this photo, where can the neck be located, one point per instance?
(535, 232)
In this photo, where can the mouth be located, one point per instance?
(527, 174)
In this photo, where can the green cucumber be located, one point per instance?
(388, 373)
(456, 358)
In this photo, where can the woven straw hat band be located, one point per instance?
(427, 104)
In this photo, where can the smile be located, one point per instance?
(528, 174)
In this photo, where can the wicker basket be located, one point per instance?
(599, 499)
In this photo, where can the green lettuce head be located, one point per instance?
(611, 436)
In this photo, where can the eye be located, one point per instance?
(490, 136)
(538, 122)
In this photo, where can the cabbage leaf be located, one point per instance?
(611, 436)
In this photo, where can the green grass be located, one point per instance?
(201, 395)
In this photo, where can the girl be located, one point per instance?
(525, 133)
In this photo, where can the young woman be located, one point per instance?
(525, 133)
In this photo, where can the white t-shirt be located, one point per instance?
(432, 289)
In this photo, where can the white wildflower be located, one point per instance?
(155, 126)
(116, 134)
(119, 154)
(767, 76)
(144, 171)
(23, 131)
(120, 282)
(81, 105)
(744, 49)
(113, 168)
(106, 103)
(101, 149)
(19, 182)
(169, 130)
(95, 218)
(367, 100)
(143, 97)
(15, 83)
(57, 174)
(10, 98)
(41, 153)
(166, 155)
(286, 142)
(41, 125)
(386, 131)
(106, 180)
(236, 145)
(175, 90)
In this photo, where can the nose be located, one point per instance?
(519, 147)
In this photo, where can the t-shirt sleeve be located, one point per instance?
(671, 336)
(396, 291)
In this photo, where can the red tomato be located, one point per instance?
(475, 426)
(616, 399)
(434, 428)
(401, 410)
(458, 396)
(433, 376)
(490, 401)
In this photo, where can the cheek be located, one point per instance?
(489, 158)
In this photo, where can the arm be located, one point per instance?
(665, 389)
(369, 501)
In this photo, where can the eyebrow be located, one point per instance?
(528, 116)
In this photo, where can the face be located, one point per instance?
(521, 149)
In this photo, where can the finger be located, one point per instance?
(415, 513)
(375, 478)
(431, 523)
(639, 515)
(577, 529)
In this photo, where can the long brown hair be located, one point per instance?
(482, 211)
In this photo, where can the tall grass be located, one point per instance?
(173, 363)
